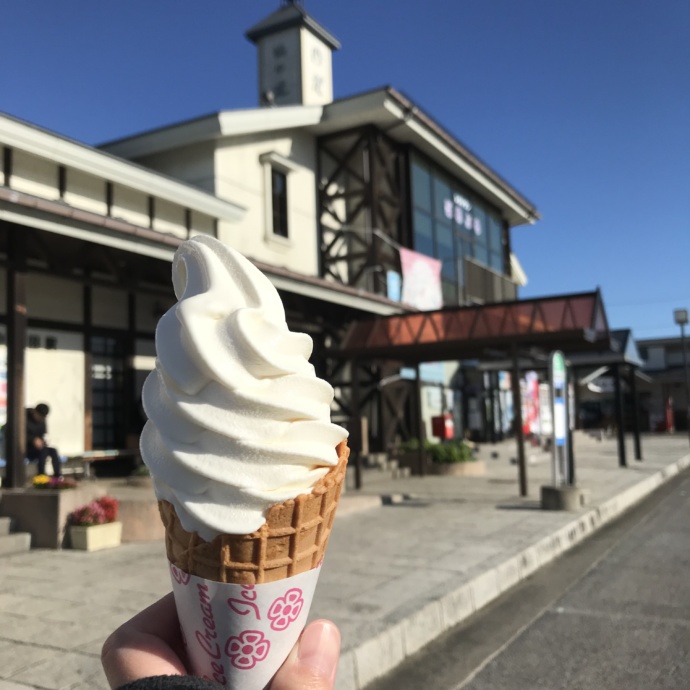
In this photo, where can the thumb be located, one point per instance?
(313, 661)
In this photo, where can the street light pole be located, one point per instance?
(680, 316)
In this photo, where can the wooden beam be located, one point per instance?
(15, 430)
(88, 363)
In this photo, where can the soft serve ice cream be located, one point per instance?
(238, 420)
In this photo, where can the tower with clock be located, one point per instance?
(295, 57)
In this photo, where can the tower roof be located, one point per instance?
(289, 16)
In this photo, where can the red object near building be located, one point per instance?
(670, 422)
(442, 426)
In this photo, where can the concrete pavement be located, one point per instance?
(395, 576)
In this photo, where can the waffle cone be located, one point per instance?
(291, 541)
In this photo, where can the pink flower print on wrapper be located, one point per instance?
(247, 649)
(180, 576)
(285, 610)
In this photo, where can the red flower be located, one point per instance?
(247, 649)
(285, 610)
(97, 512)
(110, 507)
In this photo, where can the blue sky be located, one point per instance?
(583, 106)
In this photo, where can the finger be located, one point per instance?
(313, 662)
(144, 646)
(159, 619)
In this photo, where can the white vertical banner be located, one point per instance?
(421, 280)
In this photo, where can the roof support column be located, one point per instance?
(636, 413)
(497, 383)
(355, 423)
(131, 404)
(420, 421)
(620, 419)
(517, 423)
(87, 302)
(576, 398)
(15, 431)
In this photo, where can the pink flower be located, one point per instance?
(285, 610)
(247, 649)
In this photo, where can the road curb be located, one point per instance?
(375, 657)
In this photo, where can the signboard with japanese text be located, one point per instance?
(559, 412)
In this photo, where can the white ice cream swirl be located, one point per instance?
(238, 420)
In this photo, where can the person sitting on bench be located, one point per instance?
(36, 447)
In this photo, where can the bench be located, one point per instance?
(88, 457)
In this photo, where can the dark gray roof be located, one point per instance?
(289, 16)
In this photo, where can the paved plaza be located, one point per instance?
(398, 571)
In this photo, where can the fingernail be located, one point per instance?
(319, 649)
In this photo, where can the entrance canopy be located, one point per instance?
(572, 323)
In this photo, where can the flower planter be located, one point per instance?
(475, 468)
(96, 537)
(43, 512)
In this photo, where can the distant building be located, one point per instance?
(663, 364)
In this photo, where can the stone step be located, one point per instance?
(18, 542)
(5, 524)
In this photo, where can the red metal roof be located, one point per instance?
(568, 322)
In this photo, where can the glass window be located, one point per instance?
(481, 253)
(451, 224)
(423, 233)
(421, 187)
(449, 290)
(494, 233)
(479, 224)
(279, 197)
(496, 261)
(445, 251)
(443, 201)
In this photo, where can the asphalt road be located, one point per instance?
(611, 614)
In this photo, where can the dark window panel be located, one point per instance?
(279, 197)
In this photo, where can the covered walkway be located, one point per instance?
(514, 336)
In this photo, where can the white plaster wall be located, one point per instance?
(170, 218)
(34, 175)
(56, 377)
(242, 177)
(86, 192)
(108, 307)
(130, 205)
(48, 297)
(317, 70)
(202, 224)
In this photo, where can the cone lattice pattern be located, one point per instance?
(292, 540)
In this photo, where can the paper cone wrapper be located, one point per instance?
(243, 600)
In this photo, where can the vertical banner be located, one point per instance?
(421, 280)
(559, 407)
(530, 404)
